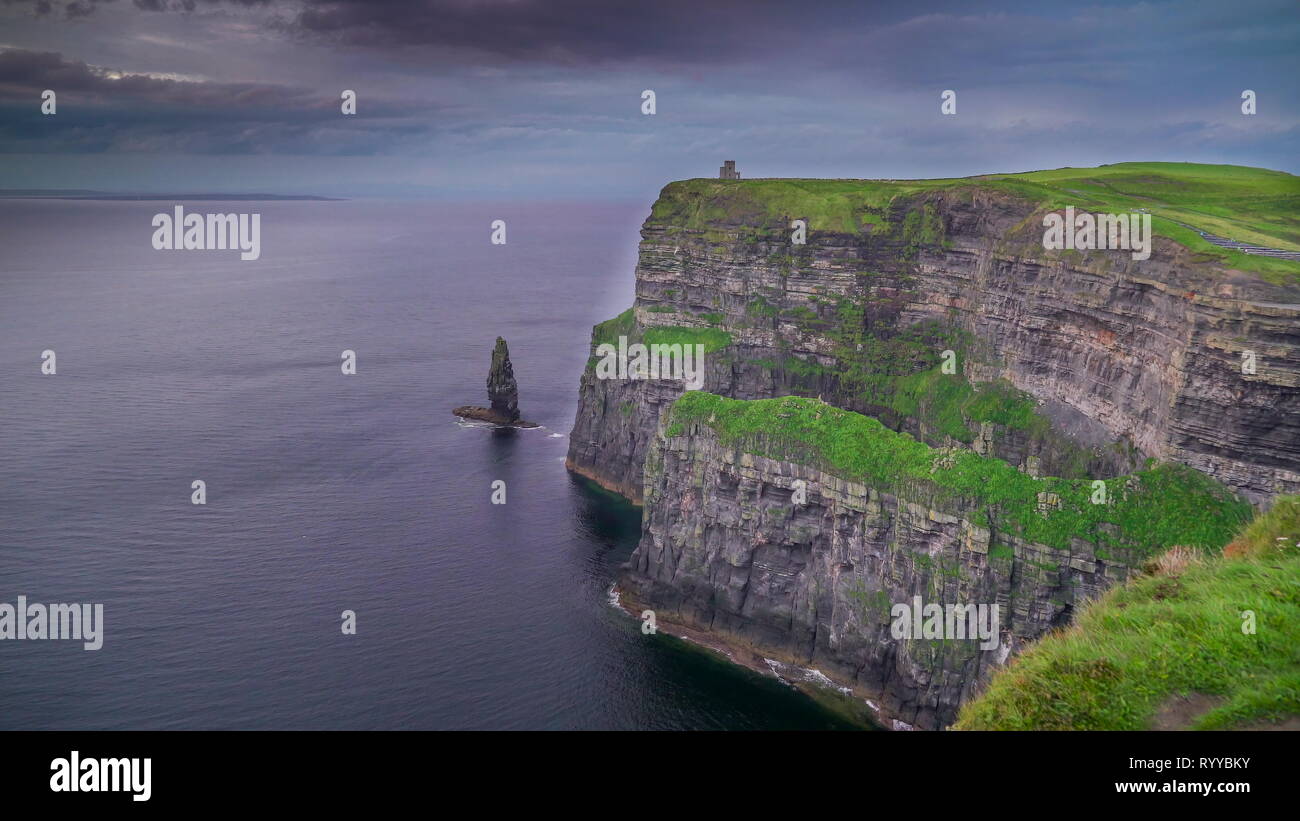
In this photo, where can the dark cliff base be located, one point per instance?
(627, 490)
(848, 699)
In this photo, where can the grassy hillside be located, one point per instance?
(1150, 511)
(1248, 204)
(1168, 650)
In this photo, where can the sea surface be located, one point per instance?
(325, 492)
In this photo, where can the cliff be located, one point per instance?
(728, 548)
(1074, 363)
(1078, 365)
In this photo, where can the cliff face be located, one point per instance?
(1081, 365)
(796, 547)
(725, 550)
(1121, 359)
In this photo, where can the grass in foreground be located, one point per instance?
(1175, 633)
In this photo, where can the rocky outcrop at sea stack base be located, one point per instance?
(503, 394)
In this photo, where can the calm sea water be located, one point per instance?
(325, 492)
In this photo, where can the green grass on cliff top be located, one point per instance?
(608, 332)
(1154, 642)
(1147, 512)
(1248, 204)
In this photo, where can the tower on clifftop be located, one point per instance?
(728, 171)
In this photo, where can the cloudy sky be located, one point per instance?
(530, 99)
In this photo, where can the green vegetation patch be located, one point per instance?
(1248, 204)
(760, 307)
(713, 339)
(1145, 513)
(608, 332)
(1252, 205)
(611, 329)
(1269, 533)
(903, 373)
(1165, 637)
(828, 205)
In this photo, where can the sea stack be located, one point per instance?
(503, 393)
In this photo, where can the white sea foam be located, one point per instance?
(818, 677)
(775, 667)
(807, 674)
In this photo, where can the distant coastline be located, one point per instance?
(79, 194)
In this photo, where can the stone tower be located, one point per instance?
(728, 171)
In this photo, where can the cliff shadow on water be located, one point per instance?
(703, 673)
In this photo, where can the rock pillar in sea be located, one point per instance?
(503, 394)
(503, 391)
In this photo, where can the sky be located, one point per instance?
(534, 100)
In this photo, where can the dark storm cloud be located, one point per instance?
(906, 41)
(569, 31)
(544, 95)
(72, 9)
(23, 74)
(104, 110)
(562, 31)
(69, 9)
(911, 41)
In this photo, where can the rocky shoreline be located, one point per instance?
(847, 698)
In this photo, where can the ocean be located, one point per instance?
(325, 492)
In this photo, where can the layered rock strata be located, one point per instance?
(940, 314)
(1124, 359)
